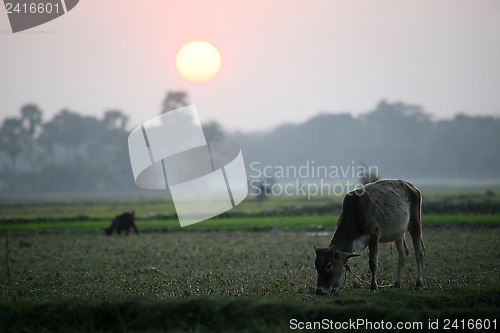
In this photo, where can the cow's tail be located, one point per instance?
(415, 226)
(419, 218)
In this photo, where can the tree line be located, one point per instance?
(77, 153)
(72, 152)
(69, 152)
(401, 140)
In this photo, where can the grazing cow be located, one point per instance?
(375, 213)
(122, 222)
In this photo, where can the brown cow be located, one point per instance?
(376, 213)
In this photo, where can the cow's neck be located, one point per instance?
(344, 236)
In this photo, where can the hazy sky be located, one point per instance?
(282, 61)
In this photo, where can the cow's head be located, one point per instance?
(109, 231)
(330, 266)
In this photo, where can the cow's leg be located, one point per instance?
(402, 254)
(418, 244)
(126, 231)
(135, 228)
(373, 247)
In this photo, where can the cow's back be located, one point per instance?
(387, 204)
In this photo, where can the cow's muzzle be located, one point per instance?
(321, 291)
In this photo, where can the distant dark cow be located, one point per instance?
(375, 213)
(122, 222)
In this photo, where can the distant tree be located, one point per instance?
(69, 130)
(213, 131)
(174, 100)
(31, 122)
(466, 147)
(115, 120)
(394, 136)
(11, 139)
(31, 118)
(48, 137)
(110, 146)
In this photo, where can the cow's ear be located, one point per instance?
(315, 249)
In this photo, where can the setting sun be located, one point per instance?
(198, 62)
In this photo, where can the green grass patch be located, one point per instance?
(432, 219)
(245, 315)
(244, 223)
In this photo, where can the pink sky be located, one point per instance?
(283, 61)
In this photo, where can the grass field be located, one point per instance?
(272, 264)
(255, 272)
